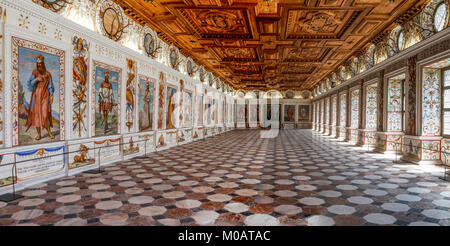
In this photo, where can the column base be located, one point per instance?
(366, 138)
(352, 135)
(389, 142)
(334, 132)
(342, 133)
(423, 150)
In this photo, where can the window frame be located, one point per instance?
(434, 15)
(443, 89)
(400, 47)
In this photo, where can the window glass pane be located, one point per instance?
(447, 78)
(439, 17)
(447, 99)
(400, 41)
(447, 123)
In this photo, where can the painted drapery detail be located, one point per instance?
(130, 94)
(371, 107)
(37, 93)
(146, 103)
(394, 106)
(343, 110)
(161, 99)
(431, 102)
(107, 99)
(354, 109)
(80, 87)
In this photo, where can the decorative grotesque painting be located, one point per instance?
(80, 87)
(303, 112)
(38, 93)
(146, 103)
(187, 111)
(170, 107)
(130, 93)
(199, 112)
(289, 111)
(107, 99)
(161, 97)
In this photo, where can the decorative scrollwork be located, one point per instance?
(54, 5)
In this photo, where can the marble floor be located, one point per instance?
(238, 178)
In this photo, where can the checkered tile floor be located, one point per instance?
(238, 178)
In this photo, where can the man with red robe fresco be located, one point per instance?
(41, 86)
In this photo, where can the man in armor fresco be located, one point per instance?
(106, 100)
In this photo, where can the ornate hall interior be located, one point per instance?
(224, 112)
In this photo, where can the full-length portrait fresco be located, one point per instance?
(187, 108)
(146, 103)
(303, 112)
(170, 107)
(289, 111)
(38, 101)
(107, 99)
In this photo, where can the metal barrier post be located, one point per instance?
(396, 152)
(99, 170)
(445, 165)
(145, 148)
(8, 197)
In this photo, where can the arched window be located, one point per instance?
(400, 39)
(440, 15)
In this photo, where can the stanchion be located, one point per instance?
(445, 165)
(99, 170)
(8, 197)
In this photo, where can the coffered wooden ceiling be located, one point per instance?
(282, 44)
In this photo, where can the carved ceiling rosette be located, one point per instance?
(110, 20)
(220, 21)
(318, 22)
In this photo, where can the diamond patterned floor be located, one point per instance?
(298, 178)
